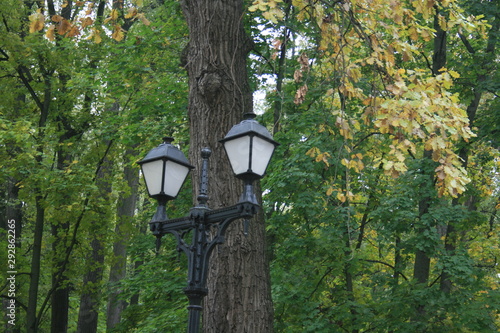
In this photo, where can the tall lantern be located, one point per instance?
(249, 147)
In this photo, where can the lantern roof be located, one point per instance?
(249, 126)
(167, 151)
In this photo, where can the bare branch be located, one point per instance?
(468, 46)
(20, 71)
(388, 265)
(6, 56)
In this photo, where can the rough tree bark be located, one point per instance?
(239, 298)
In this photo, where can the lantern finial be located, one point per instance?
(249, 116)
(168, 140)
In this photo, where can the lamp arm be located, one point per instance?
(202, 246)
(200, 221)
(221, 216)
(181, 243)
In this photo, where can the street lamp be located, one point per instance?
(165, 168)
(249, 147)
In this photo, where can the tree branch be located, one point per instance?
(20, 71)
(466, 43)
(6, 56)
(328, 271)
(388, 265)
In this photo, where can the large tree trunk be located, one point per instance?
(238, 299)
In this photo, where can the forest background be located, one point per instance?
(381, 203)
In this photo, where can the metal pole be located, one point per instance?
(194, 308)
(198, 256)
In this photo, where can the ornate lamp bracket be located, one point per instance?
(207, 228)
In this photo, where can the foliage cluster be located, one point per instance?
(381, 202)
(87, 88)
(386, 220)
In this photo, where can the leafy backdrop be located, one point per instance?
(381, 202)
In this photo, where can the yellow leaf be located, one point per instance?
(118, 34)
(37, 21)
(143, 19)
(114, 15)
(96, 35)
(454, 74)
(325, 159)
(400, 166)
(329, 191)
(50, 33)
(361, 166)
(413, 33)
(253, 8)
(57, 18)
(273, 15)
(86, 22)
(312, 152)
(131, 13)
(442, 23)
(388, 165)
(426, 35)
(63, 27)
(73, 32)
(390, 55)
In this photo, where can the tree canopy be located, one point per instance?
(381, 203)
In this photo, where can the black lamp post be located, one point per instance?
(249, 147)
